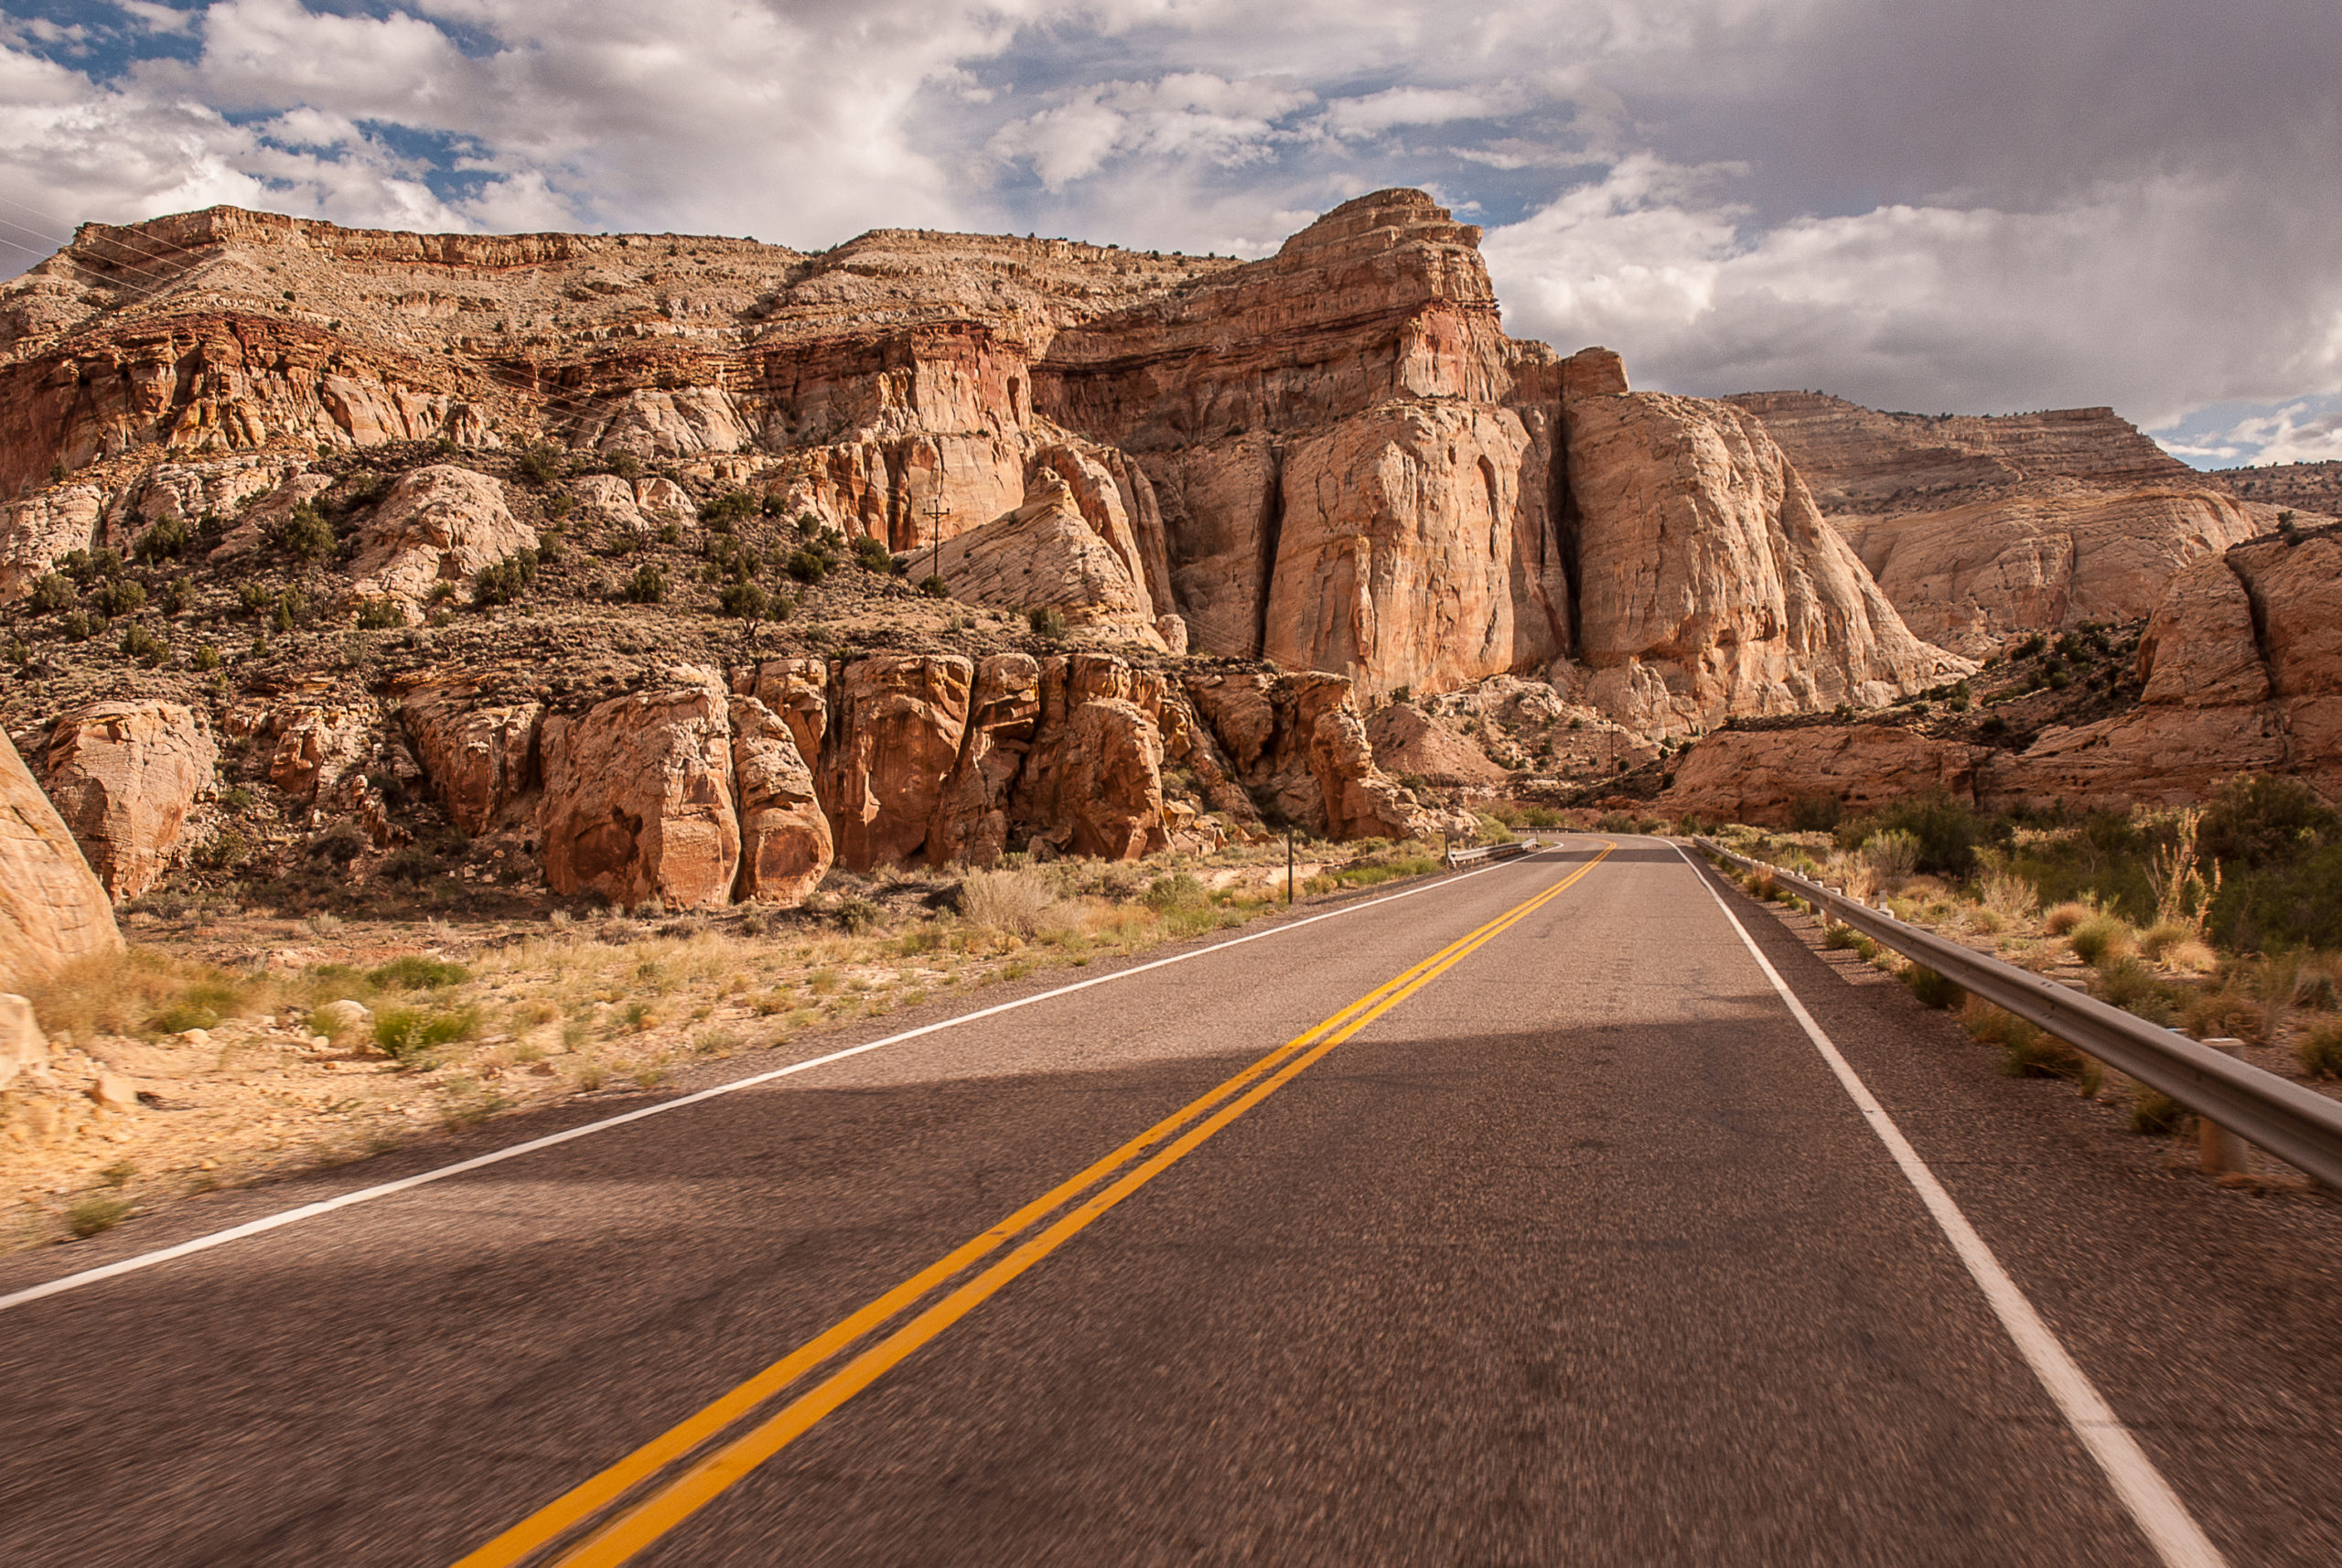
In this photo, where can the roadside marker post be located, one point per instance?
(2221, 1150)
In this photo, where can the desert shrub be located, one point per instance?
(2059, 921)
(1047, 621)
(727, 511)
(2259, 818)
(2154, 1114)
(1931, 988)
(1815, 814)
(50, 592)
(506, 580)
(1944, 830)
(79, 627)
(934, 588)
(408, 1034)
(96, 1214)
(381, 614)
(2009, 896)
(1839, 938)
(1892, 852)
(540, 464)
(165, 541)
(872, 555)
(1178, 891)
(857, 914)
(178, 594)
(807, 565)
(2319, 1050)
(647, 587)
(2295, 902)
(118, 596)
(743, 601)
(140, 643)
(292, 607)
(624, 464)
(416, 971)
(304, 534)
(2026, 1051)
(2127, 984)
(1016, 902)
(2103, 939)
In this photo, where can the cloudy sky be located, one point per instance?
(1969, 205)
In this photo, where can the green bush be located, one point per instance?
(50, 592)
(409, 1035)
(2156, 1115)
(743, 601)
(540, 464)
(118, 596)
(304, 534)
(1815, 814)
(1945, 831)
(178, 594)
(96, 1214)
(724, 512)
(78, 626)
(1047, 621)
(505, 581)
(165, 541)
(1178, 891)
(140, 643)
(934, 588)
(2259, 818)
(872, 555)
(647, 587)
(1931, 988)
(417, 973)
(2320, 1050)
(807, 565)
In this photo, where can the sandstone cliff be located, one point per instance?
(52, 910)
(1708, 584)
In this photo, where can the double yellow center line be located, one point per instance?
(1088, 1195)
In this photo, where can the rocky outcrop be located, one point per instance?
(439, 524)
(639, 797)
(2242, 671)
(123, 777)
(1298, 743)
(785, 847)
(894, 728)
(1973, 576)
(1408, 744)
(1708, 584)
(1763, 776)
(1046, 553)
(971, 822)
(638, 506)
(35, 532)
(479, 757)
(52, 908)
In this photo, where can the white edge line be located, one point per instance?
(366, 1194)
(2160, 1515)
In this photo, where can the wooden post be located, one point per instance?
(2221, 1150)
(1288, 868)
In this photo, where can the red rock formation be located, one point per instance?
(124, 776)
(479, 758)
(639, 797)
(895, 726)
(52, 910)
(785, 848)
(1708, 584)
(1760, 775)
(439, 524)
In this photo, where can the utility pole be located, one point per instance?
(937, 509)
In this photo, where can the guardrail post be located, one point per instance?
(2221, 1150)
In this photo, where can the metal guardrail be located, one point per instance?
(1487, 852)
(2298, 1126)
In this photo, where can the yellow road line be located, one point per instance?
(670, 1505)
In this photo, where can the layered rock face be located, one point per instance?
(52, 908)
(1982, 528)
(1743, 775)
(1969, 578)
(1708, 584)
(2242, 669)
(123, 777)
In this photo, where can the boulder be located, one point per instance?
(1709, 586)
(53, 909)
(23, 1047)
(638, 796)
(894, 741)
(798, 689)
(1094, 783)
(785, 847)
(1761, 776)
(438, 524)
(318, 748)
(124, 775)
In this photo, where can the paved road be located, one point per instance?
(1579, 1252)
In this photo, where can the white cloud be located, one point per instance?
(1182, 116)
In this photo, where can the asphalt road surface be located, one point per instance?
(1516, 1219)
